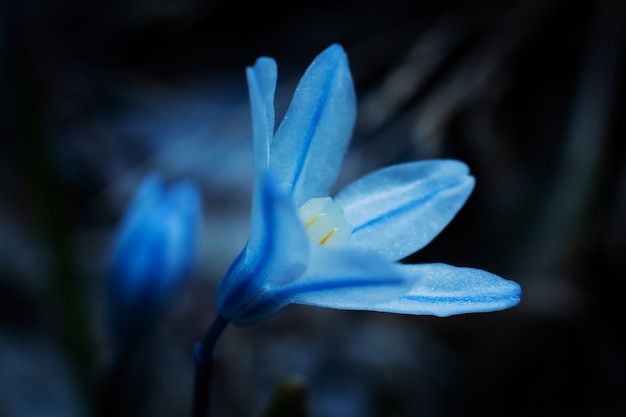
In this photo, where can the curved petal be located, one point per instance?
(335, 278)
(397, 210)
(311, 141)
(444, 290)
(261, 87)
(275, 256)
(346, 279)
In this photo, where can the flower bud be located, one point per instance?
(152, 254)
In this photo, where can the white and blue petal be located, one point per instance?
(343, 278)
(443, 290)
(397, 210)
(277, 257)
(334, 278)
(311, 141)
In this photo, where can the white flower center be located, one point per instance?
(325, 222)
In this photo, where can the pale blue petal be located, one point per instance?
(261, 87)
(335, 278)
(347, 279)
(444, 290)
(397, 210)
(278, 256)
(310, 143)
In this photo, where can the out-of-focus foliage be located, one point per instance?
(528, 93)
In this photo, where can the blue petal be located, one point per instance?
(444, 290)
(397, 210)
(346, 279)
(275, 257)
(335, 278)
(261, 87)
(312, 139)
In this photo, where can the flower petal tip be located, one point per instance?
(263, 65)
(335, 49)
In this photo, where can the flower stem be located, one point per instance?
(203, 358)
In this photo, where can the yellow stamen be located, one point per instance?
(313, 220)
(324, 222)
(328, 236)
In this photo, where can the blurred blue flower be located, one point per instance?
(152, 254)
(307, 248)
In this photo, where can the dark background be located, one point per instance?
(530, 94)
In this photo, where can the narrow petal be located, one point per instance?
(444, 290)
(397, 210)
(312, 139)
(274, 257)
(335, 278)
(261, 87)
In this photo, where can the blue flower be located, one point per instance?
(152, 253)
(307, 248)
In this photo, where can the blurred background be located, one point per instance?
(530, 94)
